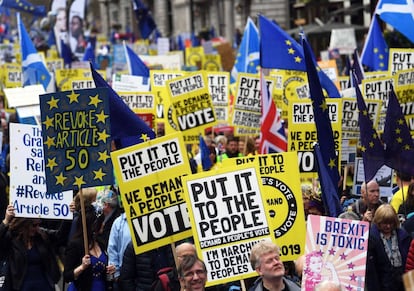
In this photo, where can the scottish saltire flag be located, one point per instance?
(34, 70)
(272, 131)
(329, 190)
(205, 154)
(127, 128)
(278, 50)
(399, 146)
(136, 66)
(375, 52)
(399, 14)
(146, 23)
(248, 56)
(321, 116)
(372, 148)
(24, 6)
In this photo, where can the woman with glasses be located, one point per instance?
(192, 274)
(30, 251)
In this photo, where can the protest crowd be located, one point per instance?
(165, 171)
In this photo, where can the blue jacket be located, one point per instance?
(380, 275)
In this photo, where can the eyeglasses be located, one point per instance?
(191, 275)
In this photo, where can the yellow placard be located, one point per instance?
(303, 135)
(218, 87)
(228, 217)
(64, 77)
(194, 56)
(54, 64)
(378, 89)
(12, 75)
(290, 85)
(212, 63)
(150, 181)
(400, 59)
(158, 79)
(191, 108)
(282, 198)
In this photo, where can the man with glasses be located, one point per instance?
(192, 274)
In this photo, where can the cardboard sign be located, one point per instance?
(228, 217)
(282, 199)
(336, 250)
(27, 177)
(150, 180)
(76, 139)
(302, 131)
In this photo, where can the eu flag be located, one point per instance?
(24, 6)
(205, 154)
(399, 14)
(136, 66)
(278, 50)
(321, 116)
(375, 52)
(248, 56)
(146, 23)
(357, 67)
(399, 147)
(328, 188)
(126, 127)
(371, 146)
(66, 54)
(89, 55)
(34, 70)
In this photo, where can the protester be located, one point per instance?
(182, 250)
(110, 211)
(265, 259)
(232, 150)
(89, 198)
(403, 181)
(407, 206)
(388, 247)
(87, 271)
(366, 206)
(138, 272)
(192, 273)
(31, 251)
(119, 238)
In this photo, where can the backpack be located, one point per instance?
(163, 278)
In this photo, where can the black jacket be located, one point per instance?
(138, 272)
(73, 258)
(46, 244)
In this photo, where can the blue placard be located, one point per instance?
(76, 139)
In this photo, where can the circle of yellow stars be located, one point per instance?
(103, 156)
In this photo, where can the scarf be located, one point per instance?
(392, 250)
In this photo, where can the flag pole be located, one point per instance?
(84, 226)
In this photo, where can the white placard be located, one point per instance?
(27, 177)
(23, 96)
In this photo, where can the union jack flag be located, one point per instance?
(272, 137)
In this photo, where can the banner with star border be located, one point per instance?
(330, 243)
(76, 139)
